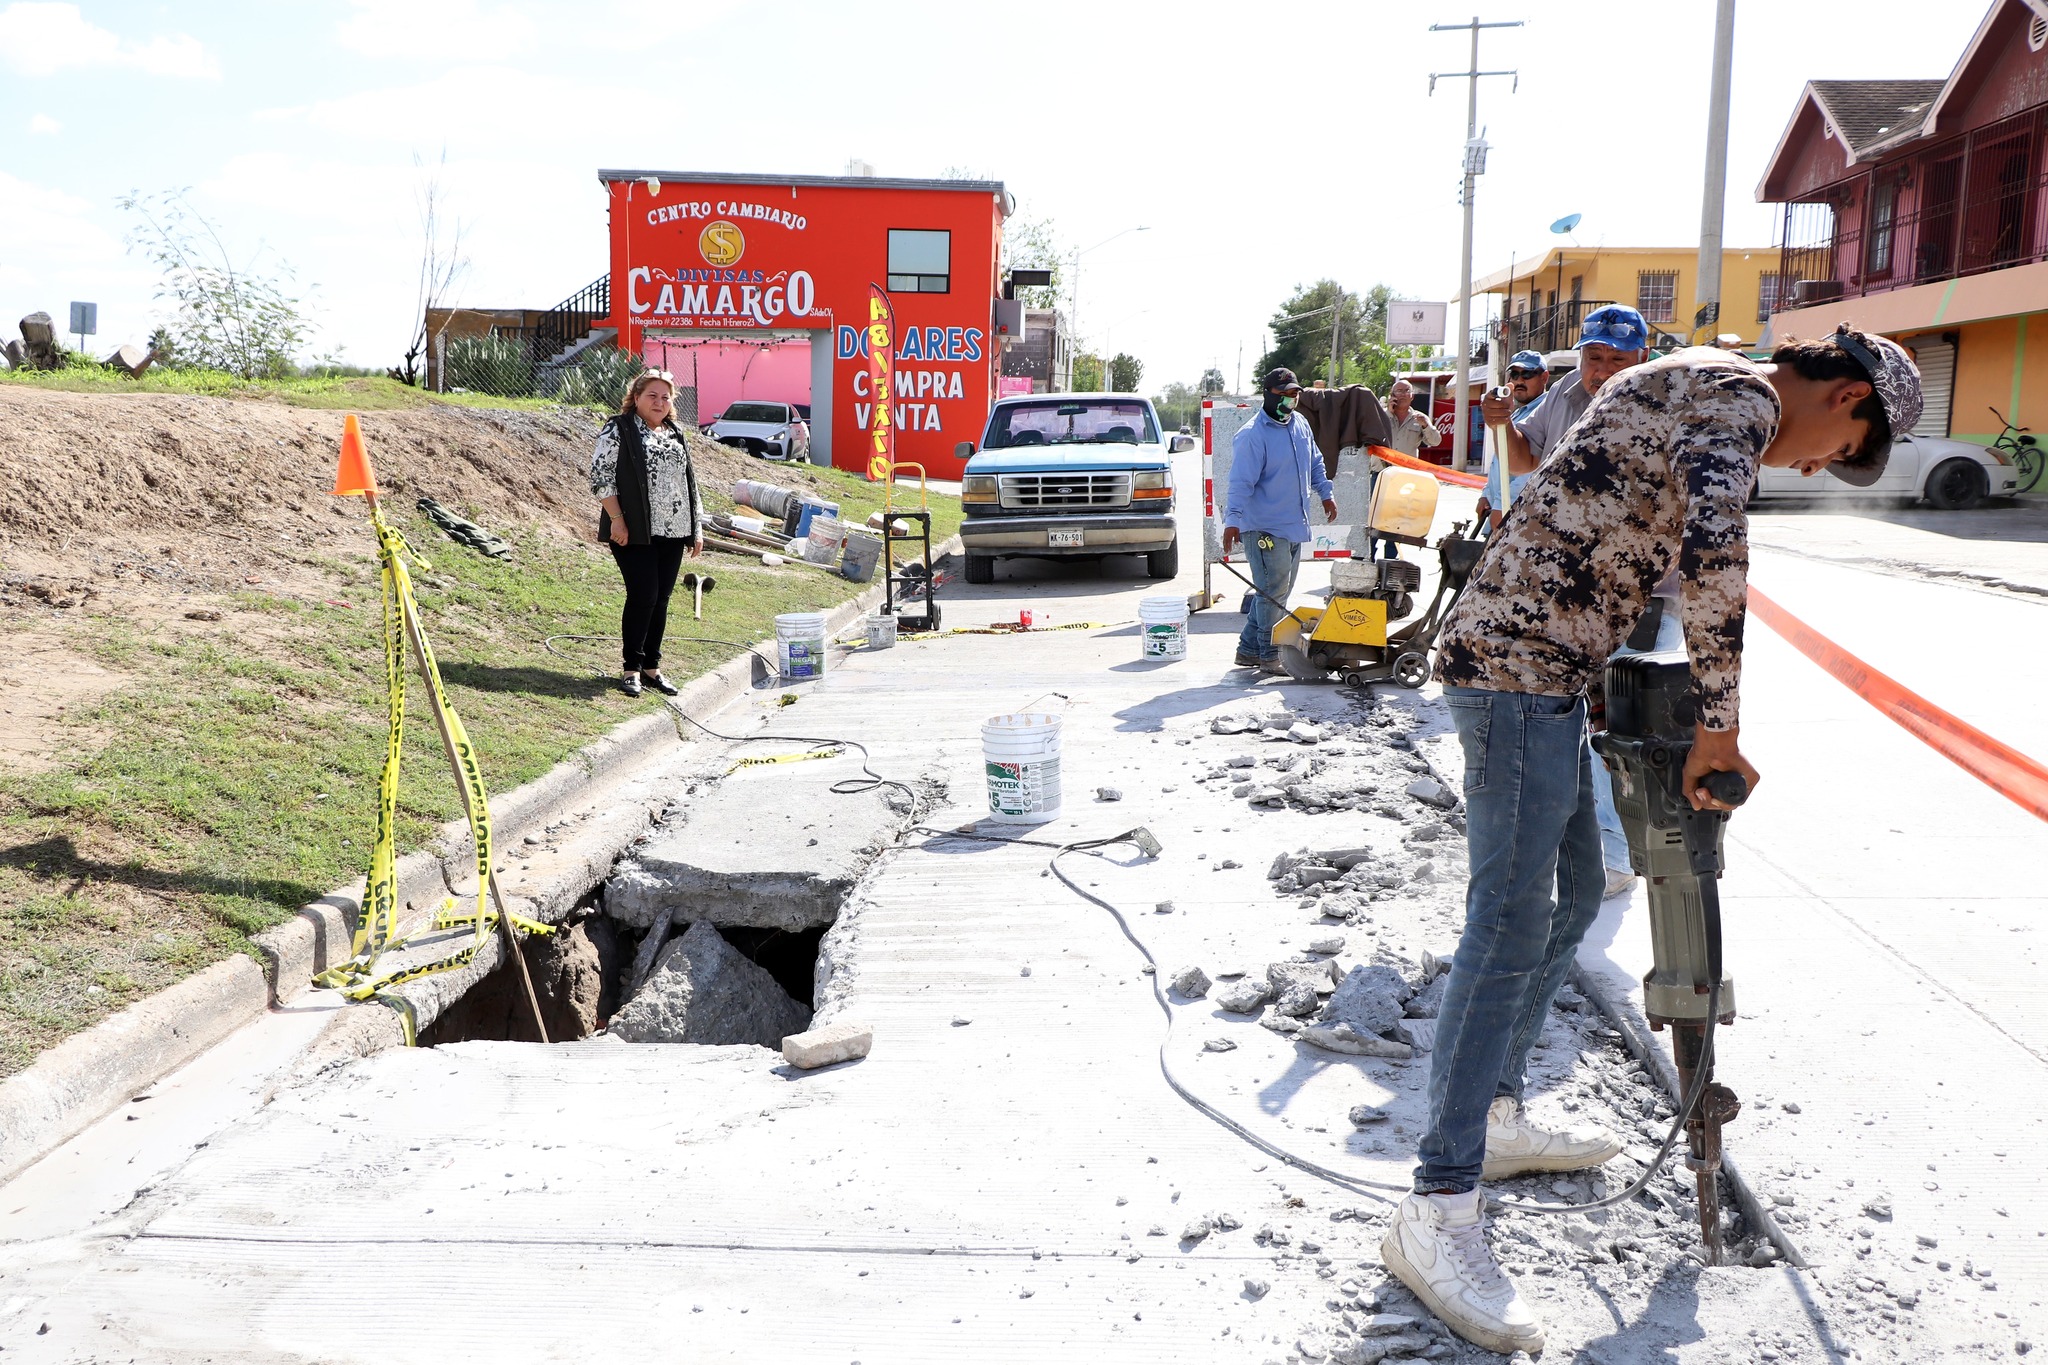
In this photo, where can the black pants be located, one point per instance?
(650, 572)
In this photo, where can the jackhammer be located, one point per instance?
(1677, 851)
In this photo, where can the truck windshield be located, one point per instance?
(756, 412)
(1088, 421)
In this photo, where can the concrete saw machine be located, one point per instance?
(1353, 638)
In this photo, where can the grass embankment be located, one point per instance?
(237, 776)
(356, 393)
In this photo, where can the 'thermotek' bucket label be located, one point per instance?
(1023, 788)
(1168, 641)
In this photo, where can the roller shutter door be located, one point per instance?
(1937, 384)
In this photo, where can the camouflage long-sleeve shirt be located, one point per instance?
(1657, 472)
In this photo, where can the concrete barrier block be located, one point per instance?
(841, 1042)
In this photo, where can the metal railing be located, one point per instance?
(571, 320)
(1551, 328)
(1973, 203)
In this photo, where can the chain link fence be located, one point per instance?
(504, 367)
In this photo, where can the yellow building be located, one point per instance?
(1543, 299)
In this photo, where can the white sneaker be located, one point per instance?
(1437, 1247)
(1620, 881)
(1515, 1146)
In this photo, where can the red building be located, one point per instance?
(784, 264)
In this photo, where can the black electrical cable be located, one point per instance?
(852, 786)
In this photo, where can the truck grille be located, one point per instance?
(1058, 492)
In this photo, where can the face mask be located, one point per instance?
(1279, 406)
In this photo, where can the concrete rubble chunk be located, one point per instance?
(745, 857)
(1285, 1025)
(1256, 1289)
(1303, 732)
(1364, 1115)
(1192, 982)
(1419, 1034)
(1220, 1045)
(1197, 1230)
(1311, 875)
(1245, 997)
(1319, 974)
(1232, 725)
(1344, 1038)
(1428, 1002)
(702, 990)
(1435, 964)
(1108, 794)
(1297, 1000)
(1431, 792)
(1262, 795)
(131, 359)
(840, 1042)
(1369, 999)
(1373, 1350)
(1329, 943)
(1879, 1208)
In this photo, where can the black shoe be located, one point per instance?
(630, 684)
(660, 684)
(1245, 660)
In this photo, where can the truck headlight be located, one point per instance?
(1152, 483)
(979, 488)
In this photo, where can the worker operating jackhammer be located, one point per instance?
(1656, 475)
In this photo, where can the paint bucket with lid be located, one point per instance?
(1163, 628)
(1021, 756)
(800, 645)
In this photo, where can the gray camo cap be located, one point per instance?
(1897, 381)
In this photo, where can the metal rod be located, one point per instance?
(414, 634)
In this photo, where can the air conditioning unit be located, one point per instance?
(1807, 292)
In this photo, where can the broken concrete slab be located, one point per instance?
(1319, 974)
(768, 848)
(840, 1042)
(1369, 999)
(1428, 1002)
(1245, 997)
(704, 991)
(1419, 1034)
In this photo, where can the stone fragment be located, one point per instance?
(1302, 732)
(1226, 1222)
(131, 359)
(1241, 761)
(1266, 795)
(1790, 1107)
(1311, 875)
(1373, 1350)
(1282, 1024)
(1163, 908)
(1365, 1115)
(1274, 734)
(1256, 1289)
(1762, 1255)
(1231, 725)
(1385, 1324)
(1108, 794)
(1245, 997)
(702, 990)
(1435, 965)
(840, 1042)
(1419, 1034)
(961, 1021)
(1369, 998)
(1329, 943)
(1344, 859)
(17, 355)
(1428, 1002)
(1192, 982)
(1220, 1045)
(1344, 1038)
(1197, 1230)
(1227, 864)
(1297, 1000)
(1283, 864)
(1879, 1208)
(1431, 792)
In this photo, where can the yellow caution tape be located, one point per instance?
(446, 918)
(989, 630)
(832, 751)
(377, 930)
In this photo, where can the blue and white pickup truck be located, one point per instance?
(1070, 476)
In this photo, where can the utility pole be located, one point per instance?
(1713, 192)
(1336, 335)
(1475, 166)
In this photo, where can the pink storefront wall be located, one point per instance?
(723, 372)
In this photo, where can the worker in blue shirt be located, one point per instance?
(1274, 469)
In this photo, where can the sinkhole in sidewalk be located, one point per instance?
(704, 983)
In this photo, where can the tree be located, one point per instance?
(1179, 406)
(227, 317)
(442, 263)
(1034, 244)
(1087, 376)
(1301, 331)
(1212, 382)
(1126, 372)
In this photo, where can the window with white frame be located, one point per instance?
(1657, 294)
(920, 261)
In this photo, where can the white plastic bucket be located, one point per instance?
(822, 540)
(1021, 755)
(1163, 627)
(881, 631)
(800, 644)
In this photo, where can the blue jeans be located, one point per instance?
(1530, 831)
(1613, 843)
(1273, 570)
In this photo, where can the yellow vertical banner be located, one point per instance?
(881, 383)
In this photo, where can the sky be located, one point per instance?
(1258, 153)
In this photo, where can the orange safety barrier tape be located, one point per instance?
(1392, 456)
(1998, 766)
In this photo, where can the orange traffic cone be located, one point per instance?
(353, 477)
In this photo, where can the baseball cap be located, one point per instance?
(1280, 378)
(1897, 381)
(1532, 361)
(1616, 325)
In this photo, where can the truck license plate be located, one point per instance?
(1063, 538)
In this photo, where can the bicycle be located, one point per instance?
(2021, 449)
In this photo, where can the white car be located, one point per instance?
(774, 431)
(1951, 475)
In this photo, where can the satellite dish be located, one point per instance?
(1566, 223)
